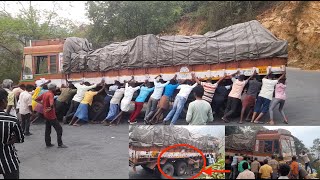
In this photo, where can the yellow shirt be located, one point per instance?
(265, 171)
(88, 97)
(34, 97)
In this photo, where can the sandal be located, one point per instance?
(240, 122)
(286, 122)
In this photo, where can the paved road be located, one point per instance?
(94, 151)
(302, 106)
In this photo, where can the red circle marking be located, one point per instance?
(181, 145)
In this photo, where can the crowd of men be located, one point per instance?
(243, 167)
(24, 104)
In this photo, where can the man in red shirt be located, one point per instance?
(47, 99)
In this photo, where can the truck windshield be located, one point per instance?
(286, 148)
(27, 68)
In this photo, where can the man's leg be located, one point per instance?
(264, 110)
(243, 110)
(56, 125)
(135, 114)
(274, 103)
(281, 110)
(154, 104)
(23, 123)
(173, 110)
(257, 108)
(27, 123)
(180, 107)
(48, 133)
(228, 106)
(13, 175)
(232, 105)
(148, 109)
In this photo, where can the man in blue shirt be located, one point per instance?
(144, 93)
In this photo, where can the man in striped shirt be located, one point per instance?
(10, 133)
(209, 88)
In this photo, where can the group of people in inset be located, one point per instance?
(243, 167)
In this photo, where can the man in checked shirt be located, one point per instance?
(10, 133)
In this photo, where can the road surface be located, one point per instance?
(95, 151)
(302, 104)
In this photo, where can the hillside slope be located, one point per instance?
(298, 22)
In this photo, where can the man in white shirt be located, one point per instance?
(246, 174)
(265, 97)
(155, 97)
(25, 109)
(180, 100)
(306, 161)
(81, 90)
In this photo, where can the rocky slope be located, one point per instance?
(298, 22)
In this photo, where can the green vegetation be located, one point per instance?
(219, 165)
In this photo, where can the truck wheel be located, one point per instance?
(180, 168)
(168, 169)
(146, 168)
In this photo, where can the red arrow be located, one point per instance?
(209, 171)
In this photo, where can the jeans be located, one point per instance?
(57, 127)
(274, 103)
(306, 166)
(151, 108)
(234, 172)
(25, 125)
(176, 110)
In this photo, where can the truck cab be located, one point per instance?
(42, 59)
(274, 142)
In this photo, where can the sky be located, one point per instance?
(305, 133)
(73, 10)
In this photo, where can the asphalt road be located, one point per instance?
(302, 104)
(94, 151)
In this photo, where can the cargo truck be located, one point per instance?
(147, 142)
(262, 144)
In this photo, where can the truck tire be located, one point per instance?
(168, 169)
(180, 168)
(147, 169)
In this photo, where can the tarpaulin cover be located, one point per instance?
(249, 40)
(240, 142)
(147, 136)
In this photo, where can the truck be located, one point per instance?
(147, 142)
(244, 46)
(262, 144)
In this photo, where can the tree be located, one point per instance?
(299, 146)
(15, 33)
(122, 20)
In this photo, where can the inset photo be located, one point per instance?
(277, 152)
(180, 152)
